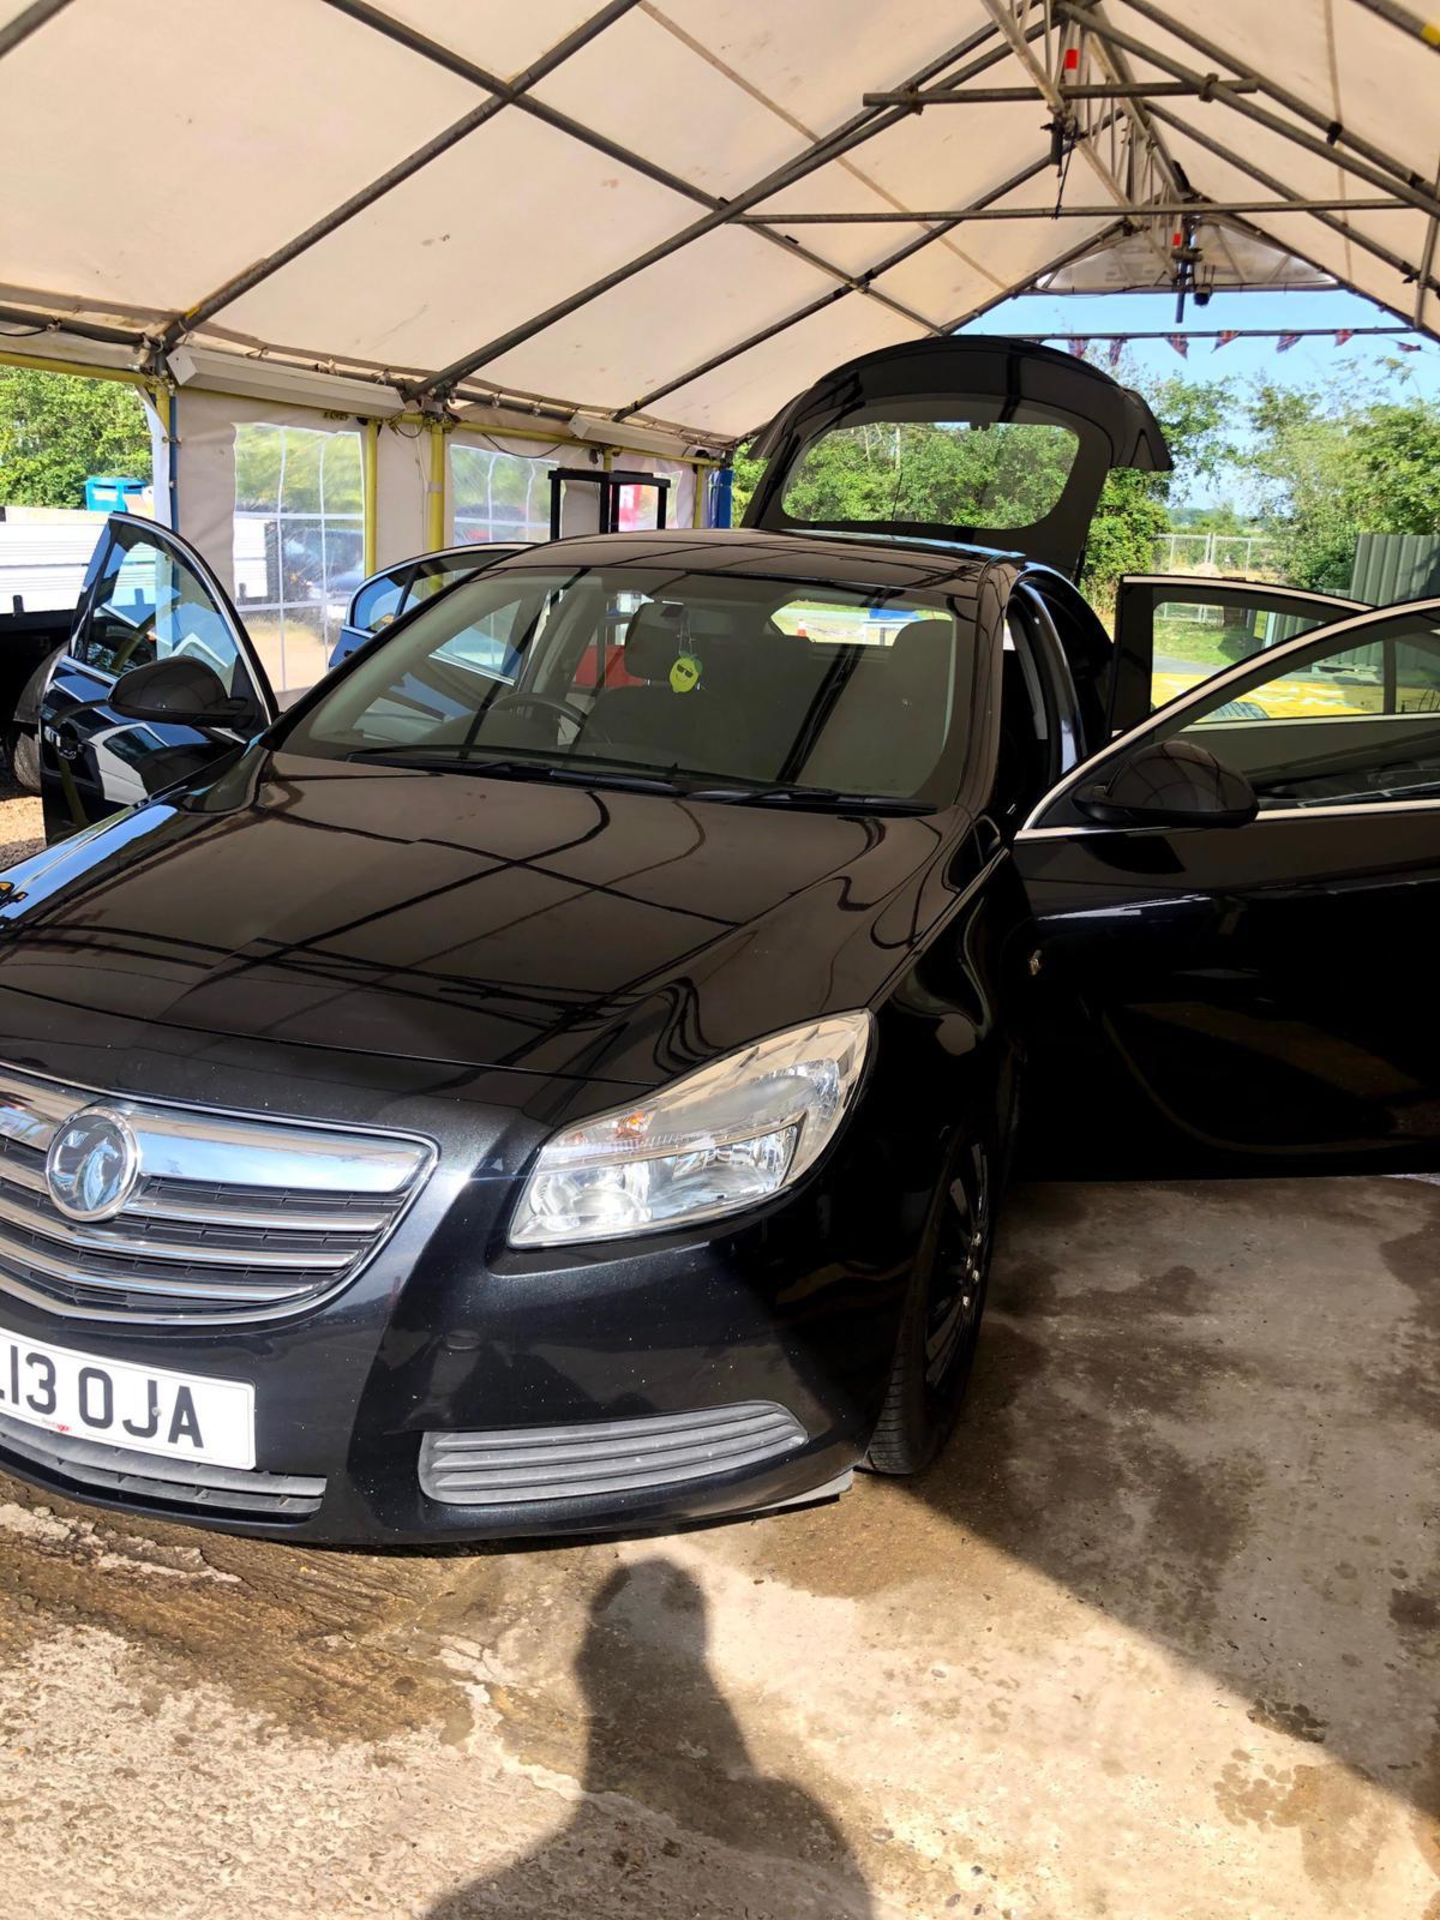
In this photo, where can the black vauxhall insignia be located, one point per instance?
(561, 1073)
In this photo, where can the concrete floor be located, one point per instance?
(1156, 1641)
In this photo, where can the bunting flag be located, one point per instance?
(1115, 343)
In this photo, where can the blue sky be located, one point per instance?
(1308, 363)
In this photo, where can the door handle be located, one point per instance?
(65, 740)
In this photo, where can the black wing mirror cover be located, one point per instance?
(180, 692)
(1172, 784)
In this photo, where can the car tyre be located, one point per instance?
(940, 1326)
(25, 759)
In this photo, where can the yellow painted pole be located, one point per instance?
(370, 497)
(435, 493)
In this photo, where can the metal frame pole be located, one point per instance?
(1426, 30)
(852, 133)
(1329, 149)
(918, 99)
(1272, 185)
(29, 20)
(1169, 209)
(502, 94)
(812, 307)
(415, 41)
(1121, 191)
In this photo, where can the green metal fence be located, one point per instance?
(1395, 566)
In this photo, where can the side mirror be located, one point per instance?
(1173, 784)
(180, 692)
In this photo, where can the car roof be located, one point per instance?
(824, 559)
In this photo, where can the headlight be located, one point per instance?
(714, 1143)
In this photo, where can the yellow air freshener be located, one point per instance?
(685, 673)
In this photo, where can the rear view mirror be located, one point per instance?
(1172, 784)
(180, 692)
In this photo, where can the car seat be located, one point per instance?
(648, 718)
(884, 711)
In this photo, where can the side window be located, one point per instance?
(379, 601)
(430, 579)
(121, 630)
(1194, 639)
(149, 605)
(1345, 724)
(486, 645)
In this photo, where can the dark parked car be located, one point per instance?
(387, 596)
(578, 1095)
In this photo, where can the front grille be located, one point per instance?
(522, 1464)
(91, 1466)
(229, 1218)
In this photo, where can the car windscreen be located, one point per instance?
(701, 680)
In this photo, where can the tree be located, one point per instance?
(1332, 463)
(56, 428)
(1196, 417)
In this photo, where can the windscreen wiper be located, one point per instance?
(447, 760)
(810, 799)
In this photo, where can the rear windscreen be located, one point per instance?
(994, 475)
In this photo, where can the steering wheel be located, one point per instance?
(562, 707)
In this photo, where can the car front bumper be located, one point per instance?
(459, 1389)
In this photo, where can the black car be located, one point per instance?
(387, 596)
(578, 1095)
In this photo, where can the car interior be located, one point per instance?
(753, 682)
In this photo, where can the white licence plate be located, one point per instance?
(148, 1409)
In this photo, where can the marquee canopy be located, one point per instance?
(674, 214)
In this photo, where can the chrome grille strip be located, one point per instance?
(277, 1220)
(153, 1202)
(63, 1233)
(108, 1304)
(14, 1253)
(26, 1103)
(31, 1127)
(15, 1173)
(231, 1217)
(195, 1146)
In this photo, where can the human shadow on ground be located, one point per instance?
(675, 1817)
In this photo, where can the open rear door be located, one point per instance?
(986, 442)
(1173, 630)
(1233, 994)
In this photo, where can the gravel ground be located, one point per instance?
(22, 831)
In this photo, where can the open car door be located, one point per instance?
(1235, 906)
(1173, 630)
(389, 595)
(990, 442)
(148, 596)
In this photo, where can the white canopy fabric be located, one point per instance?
(558, 207)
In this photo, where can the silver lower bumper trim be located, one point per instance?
(90, 1464)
